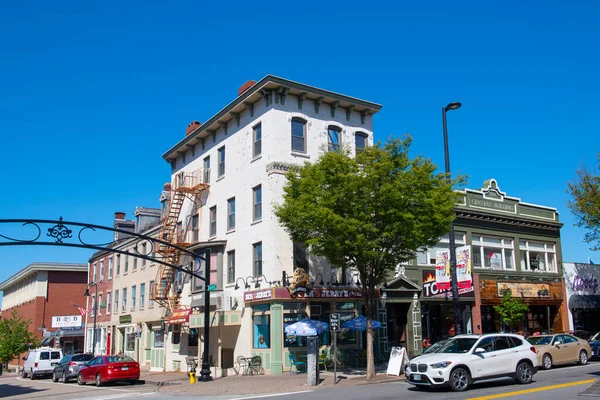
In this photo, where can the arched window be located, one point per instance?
(360, 141)
(298, 135)
(334, 136)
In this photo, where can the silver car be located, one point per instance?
(69, 367)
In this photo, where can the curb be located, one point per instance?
(158, 383)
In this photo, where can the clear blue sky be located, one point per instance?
(92, 93)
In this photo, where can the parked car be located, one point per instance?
(40, 361)
(104, 369)
(560, 349)
(465, 359)
(594, 342)
(69, 367)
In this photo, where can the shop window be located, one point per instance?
(130, 342)
(175, 334)
(346, 337)
(492, 252)
(321, 312)
(158, 339)
(193, 337)
(293, 340)
(262, 327)
(536, 256)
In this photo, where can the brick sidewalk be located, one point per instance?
(262, 384)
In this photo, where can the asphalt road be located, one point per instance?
(562, 383)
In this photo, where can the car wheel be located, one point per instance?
(460, 380)
(547, 361)
(54, 377)
(80, 379)
(98, 380)
(524, 373)
(23, 374)
(65, 378)
(133, 381)
(32, 376)
(583, 358)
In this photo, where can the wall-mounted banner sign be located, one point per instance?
(125, 319)
(523, 289)
(443, 274)
(68, 321)
(432, 290)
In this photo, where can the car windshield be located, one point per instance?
(539, 340)
(434, 348)
(595, 338)
(458, 345)
(82, 357)
(113, 359)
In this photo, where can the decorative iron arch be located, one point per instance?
(61, 233)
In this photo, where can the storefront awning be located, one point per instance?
(180, 316)
(584, 301)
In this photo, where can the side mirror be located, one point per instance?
(479, 350)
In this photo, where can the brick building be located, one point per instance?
(44, 293)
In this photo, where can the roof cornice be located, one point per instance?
(40, 266)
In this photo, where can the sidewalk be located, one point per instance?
(178, 383)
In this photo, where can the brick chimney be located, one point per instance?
(192, 126)
(245, 87)
(119, 215)
(167, 187)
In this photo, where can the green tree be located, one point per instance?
(511, 309)
(368, 213)
(15, 338)
(585, 205)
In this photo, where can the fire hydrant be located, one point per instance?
(193, 375)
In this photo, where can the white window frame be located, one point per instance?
(212, 220)
(333, 147)
(110, 268)
(478, 242)
(257, 205)
(108, 302)
(527, 249)
(230, 214)
(256, 142)
(304, 135)
(101, 271)
(221, 160)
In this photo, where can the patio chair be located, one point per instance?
(323, 361)
(296, 363)
(242, 363)
(256, 366)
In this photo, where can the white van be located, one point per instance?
(40, 361)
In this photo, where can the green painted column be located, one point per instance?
(415, 334)
(276, 338)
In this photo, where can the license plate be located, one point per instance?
(124, 368)
(416, 377)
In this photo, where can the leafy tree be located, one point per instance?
(585, 205)
(511, 309)
(15, 338)
(368, 213)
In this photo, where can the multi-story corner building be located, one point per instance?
(511, 247)
(240, 156)
(48, 295)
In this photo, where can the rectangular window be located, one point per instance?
(110, 268)
(193, 337)
(101, 271)
(195, 228)
(360, 142)
(261, 331)
(537, 256)
(124, 307)
(257, 258)
(221, 161)
(116, 300)
(94, 276)
(231, 266)
(126, 264)
(130, 345)
(118, 264)
(133, 297)
(142, 294)
(159, 339)
(108, 303)
(299, 135)
(257, 202)
(333, 138)
(135, 263)
(257, 141)
(492, 252)
(213, 222)
(206, 171)
(291, 318)
(144, 254)
(151, 297)
(100, 304)
(231, 214)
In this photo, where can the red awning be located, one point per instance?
(180, 316)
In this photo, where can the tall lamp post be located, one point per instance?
(95, 303)
(454, 283)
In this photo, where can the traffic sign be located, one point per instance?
(334, 322)
(212, 287)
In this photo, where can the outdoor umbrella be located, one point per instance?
(306, 327)
(360, 324)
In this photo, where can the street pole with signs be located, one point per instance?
(334, 327)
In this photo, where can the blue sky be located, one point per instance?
(93, 93)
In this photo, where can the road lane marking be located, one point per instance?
(526, 391)
(117, 396)
(271, 395)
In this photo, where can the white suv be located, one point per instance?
(468, 358)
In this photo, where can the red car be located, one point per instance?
(104, 369)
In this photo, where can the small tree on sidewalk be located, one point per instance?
(15, 337)
(511, 310)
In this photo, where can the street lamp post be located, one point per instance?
(454, 283)
(87, 294)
